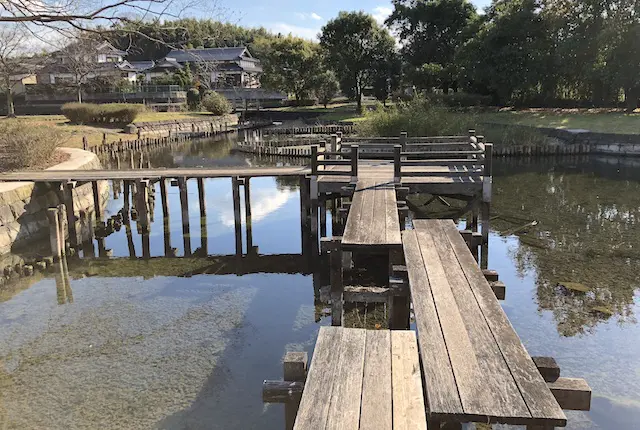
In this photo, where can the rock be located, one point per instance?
(574, 286)
(41, 266)
(8, 271)
(27, 270)
(48, 261)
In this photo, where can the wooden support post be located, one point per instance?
(71, 217)
(323, 215)
(397, 166)
(126, 198)
(184, 205)
(572, 394)
(247, 213)
(295, 367)
(399, 305)
(54, 233)
(337, 286)
(547, 367)
(96, 201)
(486, 204)
(354, 164)
(314, 160)
(314, 227)
(142, 201)
(204, 242)
(166, 219)
(403, 141)
(235, 185)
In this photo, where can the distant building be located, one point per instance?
(225, 67)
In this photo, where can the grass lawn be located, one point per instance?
(597, 120)
(74, 133)
(338, 111)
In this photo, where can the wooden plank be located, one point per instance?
(344, 408)
(466, 367)
(314, 406)
(408, 401)
(365, 227)
(392, 220)
(535, 392)
(440, 385)
(376, 412)
(501, 395)
(378, 227)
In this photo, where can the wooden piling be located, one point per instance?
(247, 210)
(323, 215)
(235, 185)
(97, 207)
(203, 217)
(71, 218)
(354, 163)
(337, 286)
(184, 205)
(486, 204)
(54, 233)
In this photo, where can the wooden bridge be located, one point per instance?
(463, 363)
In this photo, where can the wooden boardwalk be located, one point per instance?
(373, 218)
(363, 379)
(475, 367)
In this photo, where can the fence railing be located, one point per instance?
(333, 161)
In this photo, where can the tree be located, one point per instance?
(351, 41)
(386, 66)
(431, 32)
(12, 61)
(290, 64)
(326, 86)
(78, 58)
(509, 57)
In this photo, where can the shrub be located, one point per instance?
(193, 99)
(110, 113)
(27, 146)
(459, 100)
(216, 103)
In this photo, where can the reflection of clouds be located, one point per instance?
(263, 203)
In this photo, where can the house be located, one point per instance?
(225, 67)
(86, 60)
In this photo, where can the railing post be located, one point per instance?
(334, 145)
(354, 163)
(403, 140)
(314, 160)
(397, 167)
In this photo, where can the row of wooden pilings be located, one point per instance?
(316, 129)
(142, 143)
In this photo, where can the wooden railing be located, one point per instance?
(332, 161)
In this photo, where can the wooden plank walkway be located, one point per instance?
(363, 379)
(373, 217)
(475, 366)
(98, 175)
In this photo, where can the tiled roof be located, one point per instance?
(208, 54)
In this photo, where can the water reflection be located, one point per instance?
(587, 212)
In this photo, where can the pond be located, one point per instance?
(177, 343)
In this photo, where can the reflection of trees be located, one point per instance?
(287, 183)
(587, 233)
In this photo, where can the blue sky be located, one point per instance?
(303, 18)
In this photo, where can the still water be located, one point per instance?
(184, 343)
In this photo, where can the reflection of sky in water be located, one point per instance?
(277, 209)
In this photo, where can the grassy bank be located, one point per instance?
(420, 118)
(597, 120)
(72, 134)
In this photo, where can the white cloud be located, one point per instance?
(304, 32)
(380, 13)
(303, 16)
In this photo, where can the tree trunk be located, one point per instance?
(11, 113)
(79, 94)
(631, 98)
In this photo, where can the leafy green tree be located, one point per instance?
(431, 32)
(386, 66)
(290, 64)
(351, 42)
(325, 87)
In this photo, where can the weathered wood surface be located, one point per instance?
(98, 175)
(475, 367)
(363, 379)
(373, 217)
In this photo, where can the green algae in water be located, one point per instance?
(574, 286)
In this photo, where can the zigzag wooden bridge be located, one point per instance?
(464, 362)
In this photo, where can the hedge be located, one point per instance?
(216, 103)
(89, 113)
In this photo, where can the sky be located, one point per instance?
(303, 18)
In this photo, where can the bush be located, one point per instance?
(27, 146)
(216, 104)
(420, 117)
(459, 100)
(193, 99)
(110, 113)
